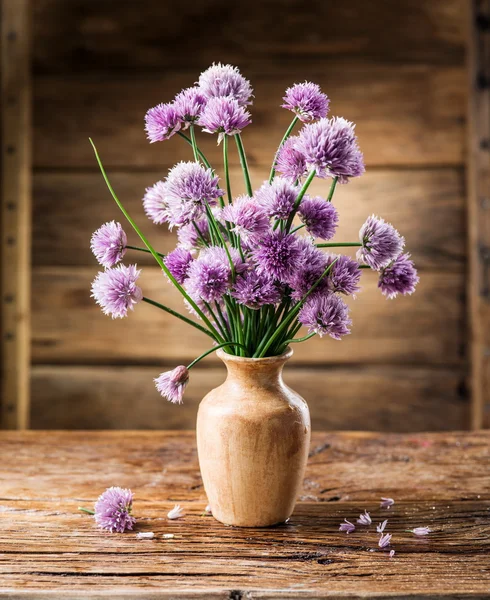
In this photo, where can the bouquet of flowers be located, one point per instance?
(255, 268)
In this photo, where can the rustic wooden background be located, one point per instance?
(396, 69)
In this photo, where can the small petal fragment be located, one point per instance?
(364, 518)
(381, 527)
(176, 512)
(347, 526)
(421, 531)
(385, 540)
(146, 535)
(387, 502)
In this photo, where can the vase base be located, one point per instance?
(254, 525)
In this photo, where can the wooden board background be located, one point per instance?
(396, 69)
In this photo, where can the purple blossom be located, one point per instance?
(219, 81)
(307, 101)
(224, 116)
(250, 220)
(113, 510)
(364, 518)
(278, 255)
(172, 384)
(255, 290)
(325, 314)
(277, 198)
(385, 540)
(420, 531)
(188, 105)
(108, 244)
(190, 238)
(347, 526)
(178, 262)
(154, 204)
(330, 147)
(381, 526)
(387, 502)
(319, 216)
(344, 276)
(381, 243)
(162, 122)
(309, 268)
(115, 290)
(290, 161)
(399, 277)
(188, 188)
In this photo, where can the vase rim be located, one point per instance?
(286, 355)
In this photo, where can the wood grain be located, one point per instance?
(176, 34)
(15, 214)
(382, 398)
(69, 328)
(410, 115)
(438, 480)
(427, 205)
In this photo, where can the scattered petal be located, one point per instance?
(176, 512)
(168, 536)
(208, 508)
(381, 527)
(420, 530)
(387, 502)
(347, 526)
(364, 518)
(146, 535)
(385, 540)
(392, 553)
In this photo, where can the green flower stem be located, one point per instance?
(243, 163)
(144, 250)
(298, 228)
(285, 323)
(227, 168)
(272, 321)
(212, 221)
(204, 354)
(189, 141)
(160, 262)
(194, 144)
(301, 339)
(332, 189)
(86, 510)
(364, 267)
(302, 192)
(200, 235)
(178, 315)
(340, 245)
(285, 137)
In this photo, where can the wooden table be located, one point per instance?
(48, 549)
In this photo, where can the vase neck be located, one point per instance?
(257, 372)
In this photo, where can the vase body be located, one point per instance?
(253, 437)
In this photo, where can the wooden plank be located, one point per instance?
(478, 211)
(411, 115)
(427, 205)
(15, 216)
(69, 328)
(48, 548)
(353, 398)
(176, 34)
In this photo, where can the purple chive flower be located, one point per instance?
(224, 116)
(113, 510)
(178, 262)
(172, 384)
(210, 275)
(325, 314)
(277, 198)
(307, 101)
(278, 255)
(290, 161)
(387, 502)
(399, 277)
(421, 531)
(381, 526)
(108, 244)
(225, 81)
(364, 518)
(255, 290)
(188, 105)
(115, 290)
(330, 147)
(385, 540)
(162, 122)
(188, 188)
(319, 216)
(191, 236)
(344, 275)
(347, 526)
(249, 220)
(154, 204)
(309, 268)
(381, 243)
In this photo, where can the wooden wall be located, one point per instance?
(395, 68)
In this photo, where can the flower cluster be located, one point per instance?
(253, 267)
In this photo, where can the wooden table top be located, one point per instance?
(50, 550)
